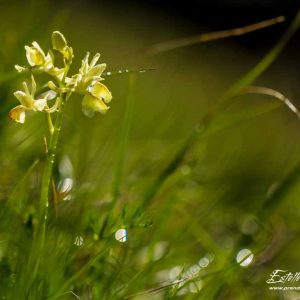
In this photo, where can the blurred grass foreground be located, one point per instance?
(186, 189)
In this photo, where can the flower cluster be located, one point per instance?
(87, 82)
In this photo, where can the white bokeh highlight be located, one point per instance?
(244, 257)
(121, 235)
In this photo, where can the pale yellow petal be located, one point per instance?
(33, 86)
(100, 91)
(68, 53)
(34, 56)
(48, 63)
(84, 64)
(95, 59)
(52, 86)
(40, 104)
(24, 99)
(96, 70)
(26, 89)
(38, 48)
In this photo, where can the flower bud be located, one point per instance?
(58, 41)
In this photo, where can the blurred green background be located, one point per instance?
(236, 186)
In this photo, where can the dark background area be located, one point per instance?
(219, 15)
(219, 12)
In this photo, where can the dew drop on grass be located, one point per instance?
(121, 235)
(203, 262)
(66, 185)
(244, 257)
(175, 272)
(194, 270)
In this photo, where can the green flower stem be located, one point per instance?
(51, 156)
(34, 262)
(50, 124)
(51, 152)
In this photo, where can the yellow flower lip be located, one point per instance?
(17, 114)
(100, 91)
(96, 100)
(91, 104)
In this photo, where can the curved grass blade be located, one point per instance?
(273, 93)
(121, 151)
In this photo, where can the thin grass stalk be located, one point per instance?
(121, 151)
(211, 36)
